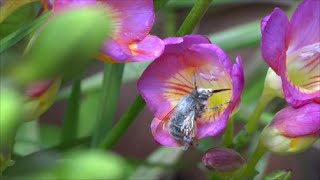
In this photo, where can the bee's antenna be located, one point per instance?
(195, 81)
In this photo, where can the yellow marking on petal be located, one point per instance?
(44, 5)
(133, 49)
(182, 83)
(293, 143)
(303, 68)
(105, 58)
(178, 85)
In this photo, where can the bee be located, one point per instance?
(181, 120)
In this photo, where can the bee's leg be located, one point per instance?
(216, 107)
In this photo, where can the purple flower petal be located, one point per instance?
(64, 4)
(161, 133)
(273, 44)
(297, 122)
(179, 44)
(304, 26)
(112, 50)
(300, 75)
(216, 127)
(264, 22)
(136, 18)
(149, 48)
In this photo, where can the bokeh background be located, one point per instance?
(137, 143)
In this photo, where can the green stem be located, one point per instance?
(125, 121)
(158, 4)
(258, 153)
(108, 101)
(228, 134)
(71, 118)
(254, 118)
(170, 22)
(194, 17)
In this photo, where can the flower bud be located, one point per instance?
(10, 119)
(273, 84)
(292, 130)
(39, 97)
(81, 164)
(224, 161)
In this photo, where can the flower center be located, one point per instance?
(303, 67)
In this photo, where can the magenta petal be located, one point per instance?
(214, 54)
(178, 45)
(293, 94)
(264, 22)
(62, 4)
(296, 122)
(161, 135)
(304, 26)
(149, 48)
(237, 77)
(136, 18)
(115, 51)
(273, 45)
(216, 127)
(37, 89)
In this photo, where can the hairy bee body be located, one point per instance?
(189, 108)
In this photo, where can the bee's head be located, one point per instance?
(203, 93)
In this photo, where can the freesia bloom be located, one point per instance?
(292, 129)
(40, 96)
(131, 41)
(185, 61)
(292, 50)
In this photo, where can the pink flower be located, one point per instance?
(187, 62)
(131, 41)
(292, 129)
(292, 50)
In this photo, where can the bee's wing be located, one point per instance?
(161, 132)
(164, 124)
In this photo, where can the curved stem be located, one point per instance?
(108, 101)
(254, 118)
(228, 134)
(123, 124)
(71, 117)
(258, 153)
(194, 17)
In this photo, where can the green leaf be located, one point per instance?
(245, 35)
(20, 18)
(108, 101)
(279, 175)
(27, 138)
(69, 39)
(71, 117)
(10, 119)
(16, 36)
(158, 4)
(9, 6)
